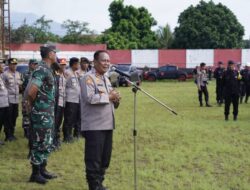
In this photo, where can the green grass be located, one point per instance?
(195, 150)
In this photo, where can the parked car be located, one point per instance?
(166, 72)
(22, 68)
(113, 77)
(129, 70)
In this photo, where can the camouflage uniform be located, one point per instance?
(26, 120)
(42, 114)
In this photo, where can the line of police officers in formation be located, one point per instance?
(50, 93)
(67, 98)
(232, 85)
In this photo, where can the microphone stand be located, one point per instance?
(135, 88)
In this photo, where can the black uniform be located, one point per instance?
(246, 80)
(242, 85)
(218, 73)
(210, 72)
(231, 84)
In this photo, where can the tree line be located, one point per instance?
(205, 26)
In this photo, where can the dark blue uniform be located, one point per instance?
(218, 73)
(231, 88)
(246, 82)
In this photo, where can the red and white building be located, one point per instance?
(183, 58)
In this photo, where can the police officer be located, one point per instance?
(4, 106)
(12, 79)
(231, 83)
(202, 82)
(25, 79)
(60, 101)
(246, 80)
(218, 73)
(84, 66)
(72, 107)
(241, 70)
(98, 100)
(40, 94)
(210, 72)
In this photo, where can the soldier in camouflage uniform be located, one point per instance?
(40, 95)
(25, 79)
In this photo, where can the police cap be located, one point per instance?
(33, 61)
(12, 61)
(230, 62)
(48, 48)
(62, 61)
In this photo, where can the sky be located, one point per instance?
(95, 12)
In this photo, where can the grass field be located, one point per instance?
(196, 150)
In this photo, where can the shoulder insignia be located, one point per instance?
(89, 81)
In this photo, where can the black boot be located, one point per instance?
(101, 178)
(201, 104)
(226, 117)
(45, 173)
(95, 185)
(36, 175)
(208, 105)
(7, 136)
(235, 117)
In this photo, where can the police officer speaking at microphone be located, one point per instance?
(98, 100)
(231, 82)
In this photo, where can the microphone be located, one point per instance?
(119, 72)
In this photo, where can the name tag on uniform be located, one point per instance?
(101, 89)
(74, 81)
(11, 81)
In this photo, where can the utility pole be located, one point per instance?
(5, 51)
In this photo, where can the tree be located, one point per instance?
(208, 26)
(22, 34)
(165, 37)
(41, 31)
(246, 44)
(130, 25)
(38, 33)
(77, 32)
